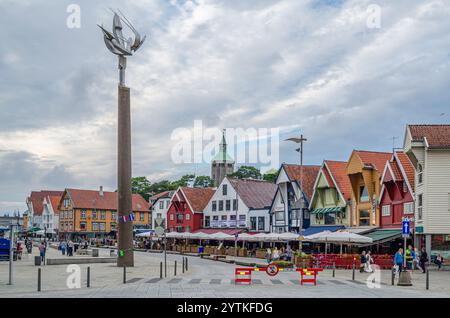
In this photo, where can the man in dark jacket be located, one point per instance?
(423, 259)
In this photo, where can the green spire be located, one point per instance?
(222, 155)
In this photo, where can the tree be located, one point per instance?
(271, 175)
(247, 172)
(183, 182)
(141, 185)
(203, 182)
(161, 186)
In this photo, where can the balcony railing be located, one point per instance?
(231, 223)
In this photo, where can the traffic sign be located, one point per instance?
(159, 231)
(272, 269)
(406, 227)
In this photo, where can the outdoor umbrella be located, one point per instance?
(288, 236)
(246, 237)
(145, 234)
(220, 236)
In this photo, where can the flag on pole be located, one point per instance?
(124, 219)
(131, 216)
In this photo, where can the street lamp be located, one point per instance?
(299, 203)
(118, 45)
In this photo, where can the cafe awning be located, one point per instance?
(327, 210)
(381, 236)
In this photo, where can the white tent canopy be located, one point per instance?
(145, 234)
(288, 236)
(338, 237)
(221, 236)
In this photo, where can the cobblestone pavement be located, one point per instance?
(205, 278)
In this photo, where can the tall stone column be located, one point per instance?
(125, 233)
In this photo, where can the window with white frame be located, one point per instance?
(386, 210)
(161, 205)
(405, 187)
(420, 174)
(83, 214)
(172, 217)
(419, 206)
(188, 216)
(408, 208)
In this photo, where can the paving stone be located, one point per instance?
(174, 281)
(195, 281)
(133, 280)
(276, 282)
(215, 281)
(153, 280)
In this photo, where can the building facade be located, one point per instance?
(428, 147)
(289, 209)
(330, 202)
(364, 169)
(240, 204)
(50, 215)
(397, 191)
(185, 213)
(222, 164)
(93, 214)
(35, 206)
(159, 205)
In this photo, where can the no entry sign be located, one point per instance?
(272, 269)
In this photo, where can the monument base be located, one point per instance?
(404, 279)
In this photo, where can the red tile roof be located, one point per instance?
(407, 167)
(396, 170)
(36, 198)
(91, 199)
(165, 194)
(338, 170)
(256, 194)
(375, 159)
(309, 176)
(54, 201)
(438, 136)
(198, 197)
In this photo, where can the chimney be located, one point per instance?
(101, 191)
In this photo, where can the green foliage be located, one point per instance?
(247, 172)
(183, 182)
(203, 182)
(141, 185)
(283, 264)
(271, 175)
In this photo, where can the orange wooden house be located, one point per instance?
(365, 169)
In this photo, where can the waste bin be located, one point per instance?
(37, 261)
(95, 252)
(200, 249)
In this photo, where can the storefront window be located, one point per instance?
(253, 223)
(261, 223)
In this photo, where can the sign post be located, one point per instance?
(405, 277)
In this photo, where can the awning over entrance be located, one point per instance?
(327, 210)
(381, 236)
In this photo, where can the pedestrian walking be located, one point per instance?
(63, 247)
(423, 260)
(398, 260)
(369, 261)
(42, 250)
(362, 265)
(275, 254)
(70, 248)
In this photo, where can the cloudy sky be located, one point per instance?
(321, 67)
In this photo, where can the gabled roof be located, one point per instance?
(437, 136)
(91, 199)
(337, 170)
(374, 159)
(309, 176)
(401, 169)
(197, 198)
(406, 167)
(36, 199)
(54, 201)
(256, 194)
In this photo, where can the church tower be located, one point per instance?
(222, 164)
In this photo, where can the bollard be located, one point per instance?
(428, 279)
(334, 269)
(353, 272)
(88, 277)
(187, 264)
(183, 266)
(392, 276)
(175, 269)
(124, 275)
(39, 280)
(160, 270)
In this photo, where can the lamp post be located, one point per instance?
(299, 203)
(120, 46)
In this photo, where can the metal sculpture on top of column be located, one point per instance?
(122, 47)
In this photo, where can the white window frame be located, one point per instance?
(188, 216)
(408, 208)
(386, 210)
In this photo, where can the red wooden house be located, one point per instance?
(397, 192)
(185, 213)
